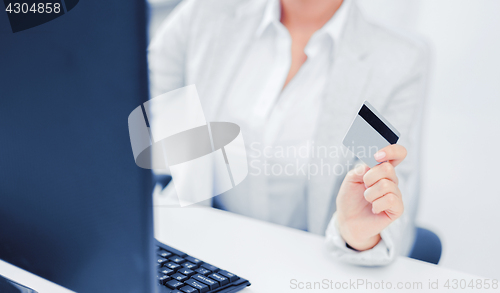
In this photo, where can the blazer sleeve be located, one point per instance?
(167, 58)
(403, 108)
(167, 50)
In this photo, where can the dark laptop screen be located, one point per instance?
(74, 207)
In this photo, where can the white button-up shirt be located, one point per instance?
(278, 123)
(238, 54)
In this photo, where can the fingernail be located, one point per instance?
(379, 155)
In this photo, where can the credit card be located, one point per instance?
(369, 132)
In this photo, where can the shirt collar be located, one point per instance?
(333, 27)
(272, 14)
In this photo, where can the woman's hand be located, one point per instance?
(369, 199)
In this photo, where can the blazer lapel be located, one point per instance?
(223, 53)
(213, 83)
(341, 101)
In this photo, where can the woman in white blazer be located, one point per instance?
(292, 75)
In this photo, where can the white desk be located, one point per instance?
(268, 255)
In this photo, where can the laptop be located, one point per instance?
(74, 207)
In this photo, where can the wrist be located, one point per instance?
(362, 245)
(353, 238)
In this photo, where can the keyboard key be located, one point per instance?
(163, 279)
(181, 273)
(207, 281)
(210, 267)
(188, 289)
(162, 260)
(163, 289)
(232, 277)
(186, 272)
(166, 271)
(173, 284)
(197, 285)
(173, 251)
(177, 259)
(164, 253)
(172, 266)
(193, 260)
(189, 265)
(203, 271)
(222, 280)
(179, 277)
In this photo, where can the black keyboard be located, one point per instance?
(182, 273)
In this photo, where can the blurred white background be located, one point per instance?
(460, 198)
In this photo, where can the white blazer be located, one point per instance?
(202, 40)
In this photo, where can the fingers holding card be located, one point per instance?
(369, 133)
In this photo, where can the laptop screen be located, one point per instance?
(74, 207)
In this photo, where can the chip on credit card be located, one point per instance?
(369, 132)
